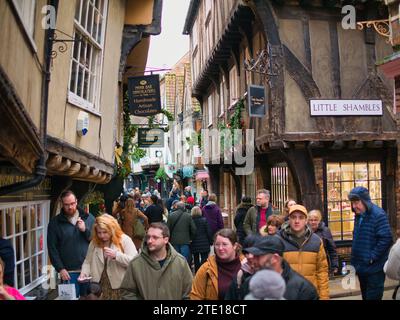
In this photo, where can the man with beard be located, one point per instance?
(68, 238)
(267, 253)
(158, 272)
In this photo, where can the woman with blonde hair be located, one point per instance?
(108, 256)
(320, 229)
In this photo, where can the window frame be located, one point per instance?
(26, 25)
(73, 98)
(356, 159)
(40, 254)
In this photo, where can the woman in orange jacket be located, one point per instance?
(214, 277)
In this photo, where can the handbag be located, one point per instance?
(67, 291)
(138, 229)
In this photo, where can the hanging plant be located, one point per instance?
(161, 174)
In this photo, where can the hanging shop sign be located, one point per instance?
(150, 138)
(144, 95)
(257, 101)
(346, 107)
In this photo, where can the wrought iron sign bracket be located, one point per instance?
(264, 63)
(382, 27)
(62, 46)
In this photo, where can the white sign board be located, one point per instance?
(346, 107)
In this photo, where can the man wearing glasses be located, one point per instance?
(68, 237)
(158, 272)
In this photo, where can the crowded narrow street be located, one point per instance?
(229, 150)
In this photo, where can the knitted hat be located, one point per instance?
(267, 285)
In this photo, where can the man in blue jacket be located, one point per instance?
(8, 256)
(371, 243)
(68, 238)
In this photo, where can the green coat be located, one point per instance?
(184, 230)
(252, 219)
(145, 279)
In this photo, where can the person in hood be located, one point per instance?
(68, 238)
(371, 243)
(304, 250)
(213, 214)
(319, 228)
(256, 217)
(266, 285)
(158, 272)
(241, 212)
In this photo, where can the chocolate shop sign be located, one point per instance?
(346, 107)
(144, 95)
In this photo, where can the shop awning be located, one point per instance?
(202, 175)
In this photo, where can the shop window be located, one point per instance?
(25, 225)
(341, 178)
(279, 185)
(87, 54)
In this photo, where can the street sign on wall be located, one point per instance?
(144, 95)
(257, 101)
(319, 107)
(150, 138)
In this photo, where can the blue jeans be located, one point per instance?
(372, 285)
(183, 249)
(80, 288)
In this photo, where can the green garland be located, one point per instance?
(235, 121)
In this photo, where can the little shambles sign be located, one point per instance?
(346, 107)
(150, 138)
(144, 95)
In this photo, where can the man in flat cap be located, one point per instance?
(267, 253)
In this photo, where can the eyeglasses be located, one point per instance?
(153, 237)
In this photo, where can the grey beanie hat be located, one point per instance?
(267, 285)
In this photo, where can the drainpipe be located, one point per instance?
(40, 171)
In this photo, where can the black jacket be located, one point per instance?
(7, 255)
(67, 246)
(329, 244)
(239, 219)
(203, 239)
(297, 287)
(154, 213)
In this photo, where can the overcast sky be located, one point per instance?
(171, 45)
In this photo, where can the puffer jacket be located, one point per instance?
(203, 239)
(309, 259)
(329, 245)
(372, 237)
(241, 212)
(146, 279)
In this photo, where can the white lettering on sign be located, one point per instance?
(346, 107)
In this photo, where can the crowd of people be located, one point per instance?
(180, 249)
